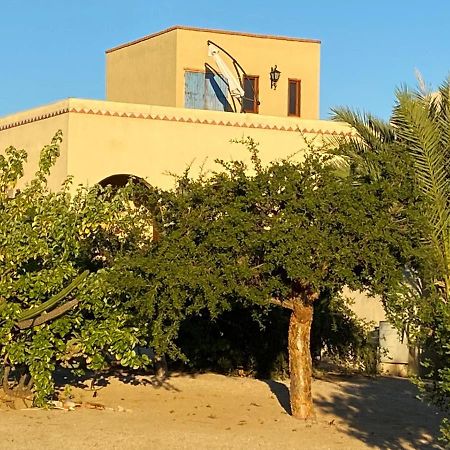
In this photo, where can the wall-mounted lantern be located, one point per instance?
(274, 77)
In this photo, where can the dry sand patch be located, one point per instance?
(216, 412)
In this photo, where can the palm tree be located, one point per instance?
(413, 150)
(418, 134)
(422, 123)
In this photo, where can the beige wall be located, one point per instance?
(368, 308)
(167, 139)
(144, 72)
(22, 131)
(107, 138)
(129, 68)
(295, 59)
(397, 358)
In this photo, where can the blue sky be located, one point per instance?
(55, 49)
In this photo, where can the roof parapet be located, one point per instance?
(208, 30)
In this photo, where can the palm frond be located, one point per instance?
(422, 123)
(372, 138)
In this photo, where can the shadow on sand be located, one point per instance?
(281, 392)
(96, 381)
(382, 412)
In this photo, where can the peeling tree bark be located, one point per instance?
(300, 362)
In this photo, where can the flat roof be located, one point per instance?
(237, 33)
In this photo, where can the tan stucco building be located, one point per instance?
(103, 138)
(156, 69)
(169, 105)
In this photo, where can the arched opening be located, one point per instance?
(121, 180)
(140, 197)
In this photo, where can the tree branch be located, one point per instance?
(283, 303)
(59, 311)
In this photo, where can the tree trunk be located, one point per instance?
(161, 369)
(300, 363)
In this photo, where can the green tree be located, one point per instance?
(56, 249)
(281, 235)
(417, 141)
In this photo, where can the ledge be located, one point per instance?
(207, 30)
(171, 114)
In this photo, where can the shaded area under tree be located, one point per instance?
(374, 411)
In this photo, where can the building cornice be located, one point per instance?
(30, 119)
(170, 114)
(207, 30)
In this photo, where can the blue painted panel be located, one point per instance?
(194, 90)
(205, 91)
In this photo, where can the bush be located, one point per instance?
(47, 240)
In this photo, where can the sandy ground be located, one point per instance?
(216, 412)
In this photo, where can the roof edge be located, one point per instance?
(139, 111)
(210, 30)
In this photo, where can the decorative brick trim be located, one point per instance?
(172, 118)
(34, 119)
(208, 30)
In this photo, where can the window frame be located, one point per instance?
(255, 109)
(298, 94)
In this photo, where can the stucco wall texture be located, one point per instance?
(151, 69)
(104, 138)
